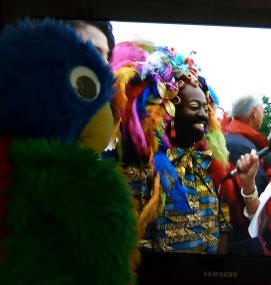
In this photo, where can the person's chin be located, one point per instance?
(198, 136)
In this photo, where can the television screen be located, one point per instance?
(223, 55)
(233, 55)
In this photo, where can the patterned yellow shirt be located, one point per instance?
(197, 232)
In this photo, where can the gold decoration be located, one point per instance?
(178, 219)
(177, 100)
(194, 81)
(170, 107)
(171, 94)
(172, 154)
(156, 101)
(162, 89)
(181, 84)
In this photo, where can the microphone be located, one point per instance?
(260, 154)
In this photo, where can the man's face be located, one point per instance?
(98, 38)
(259, 114)
(191, 116)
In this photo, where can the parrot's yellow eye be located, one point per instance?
(85, 82)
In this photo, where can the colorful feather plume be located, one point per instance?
(127, 53)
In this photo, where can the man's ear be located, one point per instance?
(253, 113)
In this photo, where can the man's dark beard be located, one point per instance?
(186, 135)
(197, 136)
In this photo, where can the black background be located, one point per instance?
(224, 12)
(256, 13)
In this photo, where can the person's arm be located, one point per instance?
(248, 166)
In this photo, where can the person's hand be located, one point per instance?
(247, 167)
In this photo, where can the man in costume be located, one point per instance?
(242, 136)
(66, 214)
(172, 149)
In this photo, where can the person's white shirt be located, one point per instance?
(259, 219)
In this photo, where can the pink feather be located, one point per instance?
(125, 53)
(137, 133)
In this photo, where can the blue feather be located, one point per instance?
(203, 83)
(163, 49)
(141, 102)
(171, 183)
(154, 90)
(178, 60)
(162, 143)
(213, 95)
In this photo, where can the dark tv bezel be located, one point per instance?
(208, 12)
(208, 269)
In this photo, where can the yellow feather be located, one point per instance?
(153, 122)
(215, 138)
(123, 76)
(213, 123)
(152, 207)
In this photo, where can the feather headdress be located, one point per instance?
(148, 81)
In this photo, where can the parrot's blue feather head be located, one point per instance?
(51, 82)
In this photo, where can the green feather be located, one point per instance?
(217, 144)
(148, 46)
(69, 216)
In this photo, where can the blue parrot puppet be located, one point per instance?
(66, 215)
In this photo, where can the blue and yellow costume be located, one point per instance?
(180, 208)
(194, 232)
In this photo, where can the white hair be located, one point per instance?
(242, 106)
